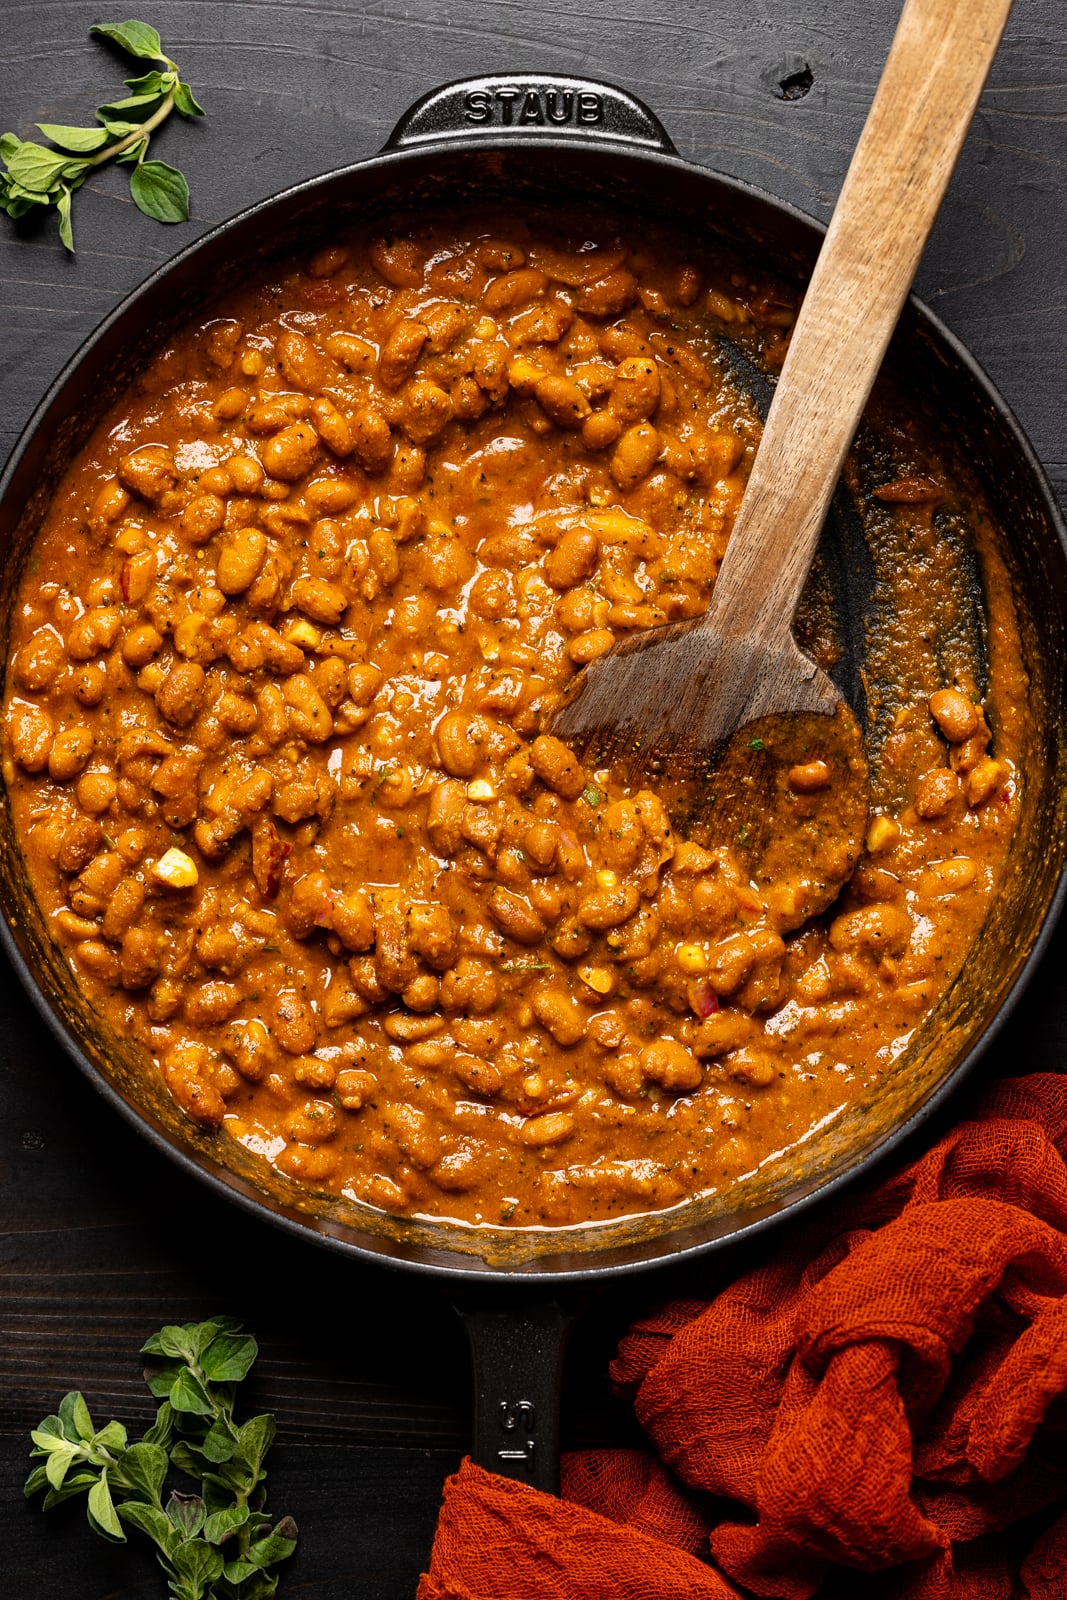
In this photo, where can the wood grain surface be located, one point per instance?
(101, 1239)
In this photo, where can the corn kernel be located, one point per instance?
(600, 979)
(485, 328)
(176, 870)
(480, 789)
(304, 634)
(252, 363)
(691, 958)
(882, 835)
(606, 878)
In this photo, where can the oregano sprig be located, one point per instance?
(215, 1544)
(38, 176)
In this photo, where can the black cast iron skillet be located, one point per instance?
(534, 140)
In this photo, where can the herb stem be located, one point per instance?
(147, 127)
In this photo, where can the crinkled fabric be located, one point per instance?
(884, 1397)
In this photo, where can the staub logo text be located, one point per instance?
(531, 108)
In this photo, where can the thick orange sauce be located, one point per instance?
(274, 735)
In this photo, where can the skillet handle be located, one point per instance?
(517, 1348)
(531, 103)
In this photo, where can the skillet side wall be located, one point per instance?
(962, 410)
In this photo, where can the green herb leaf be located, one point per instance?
(276, 1546)
(224, 1523)
(592, 795)
(141, 1472)
(189, 1394)
(200, 1366)
(103, 1517)
(174, 1341)
(220, 1441)
(111, 1438)
(134, 108)
(160, 191)
(186, 1513)
(74, 1483)
(34, 167)
(50, 1435)
(59, 1463)
(185, 103)
(154, 83)
(755, 744)
(136, 38)
(79, 139)
(150, 1520)
(254, 1440)
(199, 1565)
(36, 175)
(162, 1430)
(229, 1357)
(74, 1416)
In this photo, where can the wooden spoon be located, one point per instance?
(755, 744)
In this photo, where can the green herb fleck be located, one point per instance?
(34, 175)
(592, 795)
(215, 1544)
(526, 966)
(742, 833)
(756, 744)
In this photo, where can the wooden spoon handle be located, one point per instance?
(925, 100)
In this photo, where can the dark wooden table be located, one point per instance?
(101, 1239)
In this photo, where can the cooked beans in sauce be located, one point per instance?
(277, 738)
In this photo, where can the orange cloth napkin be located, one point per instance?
(885, 1396)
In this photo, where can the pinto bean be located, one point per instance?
(400, 261)
(180, 693)
(608, 296)
(401, 352)
(461, 743)
(323, 601)
(300, 362)
(240, 560)
(333, 427)
(564, 1019)
(635, 392)
(29, 729)
(289, 455)
(573, 559)
(606, 908)
(149, 472)
(515, 916)
(514, 289)
(880, 930)
(186, 1072)
(954, 714)
(935, 793)
(70, 753)
(635, 455)
(293, 1022)
(202, 517)
(557, 766)
(94, 632)
(562, 401)
(669, 1063)
(40, 660)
